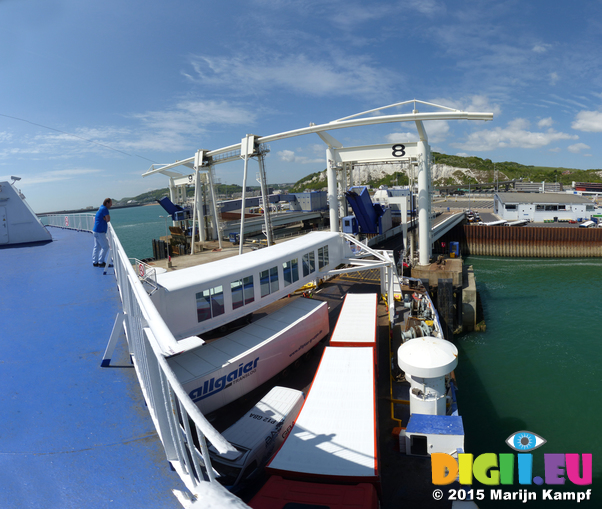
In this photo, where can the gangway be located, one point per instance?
(334, 437)
(446, 225)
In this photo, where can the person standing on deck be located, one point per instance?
(101, 245)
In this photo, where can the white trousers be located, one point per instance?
(101, 248)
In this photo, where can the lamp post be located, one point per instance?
(165, 217)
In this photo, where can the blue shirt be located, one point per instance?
(100, 225)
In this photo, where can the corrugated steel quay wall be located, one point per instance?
(537, 242)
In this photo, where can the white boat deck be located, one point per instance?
(335, 434)
(356, 325)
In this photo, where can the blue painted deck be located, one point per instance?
(72, 434)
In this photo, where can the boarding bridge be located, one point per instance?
(335, 435)
(441, 228)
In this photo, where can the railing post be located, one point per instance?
(118, 330)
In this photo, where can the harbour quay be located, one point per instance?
(535, 241)
(553, 230)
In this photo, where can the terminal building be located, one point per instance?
(542, 207)
(538, 187)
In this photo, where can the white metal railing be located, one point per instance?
(182, 427)
(82, 222)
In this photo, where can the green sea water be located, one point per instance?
(538, 365)
(137, 226)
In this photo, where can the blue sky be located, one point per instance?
(93, 93)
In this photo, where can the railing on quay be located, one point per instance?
(81, 222)
(181, 426)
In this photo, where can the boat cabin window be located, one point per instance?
(269, 281)
(290, 271)
(242, 292)
(309, 263)
(210, 303)
(322, 257)
(510, 207)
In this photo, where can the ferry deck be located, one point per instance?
(72, 434)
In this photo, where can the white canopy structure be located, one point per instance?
(338, 159)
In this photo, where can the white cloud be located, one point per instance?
(568, 101)
(401, 137)
(554, 78)
(436, 130)
(350, 16)
(545, 122)
(482, 103)
(519, 124)
(515, 135)
(331, 75)
(289, 156)
(170, 129)
(427, 7)
(210, 112)
(477, 102)
(589, 121)
(578, 147)
(541, 48)
(555, 149)
(58, 175)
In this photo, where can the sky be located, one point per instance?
(93, 93)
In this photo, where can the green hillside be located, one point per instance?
(508, 170)
(222, 190)
(482, 168)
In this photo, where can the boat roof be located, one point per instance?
(250, 430)
(356, 325)
(334, 436)
(229, 349)
(178, 279)
(72, 434)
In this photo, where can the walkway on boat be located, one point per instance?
(72, 434)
